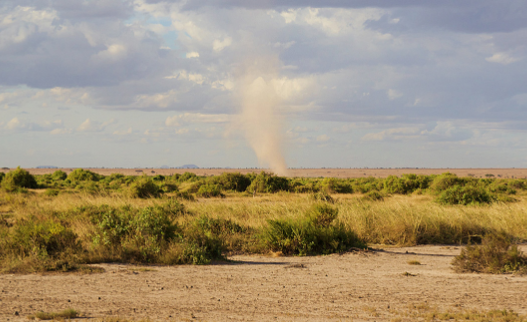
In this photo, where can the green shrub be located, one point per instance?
(59, 175)
(218, 226)
(168, 187)
(145, 187)
(2, 176)
(495, 255)
(41, 238)
(232, 181)
(83, 175)
(333, 185)
(407, 184)
(373, 196)
(137, 235)
(448, 180)
(187, 176)
(316, 233)
(459, 195)
(268, 183)
(18, 178)
(209, 191)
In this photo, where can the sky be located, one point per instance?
(354, 83)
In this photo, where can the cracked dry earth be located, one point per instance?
(345, 287)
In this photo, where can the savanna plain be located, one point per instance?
(151, 245)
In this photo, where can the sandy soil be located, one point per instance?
(352, 286)
(337, 173)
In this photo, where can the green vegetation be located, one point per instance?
(17, 179)
(64, 222)
(495, 255)
(315, 233)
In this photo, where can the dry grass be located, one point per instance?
(399, 220)
(425, 312)
(66, 314)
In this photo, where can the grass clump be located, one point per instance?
(18, 179)
(315, 233)
(373, 196)
(322, 196)
(66, 314)
(414, 262)
(495, 255)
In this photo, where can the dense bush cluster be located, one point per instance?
(447, 188)
(316, 233)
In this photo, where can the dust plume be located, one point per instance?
(260, 119)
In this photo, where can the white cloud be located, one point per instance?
(187, 118)
(60, 131)
(502, 58)
(393, 134)
(393, 94)
(86, 126)
(125, 132)
(94, 126)
(193, 54)
(323, 138)
(219, 45)
(13, 124)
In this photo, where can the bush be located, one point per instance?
(495, 255)
(209, 191)
(59, 175)
(407, 184)
(218, 226)
(18, 178)
(137, 235)
(2, 176)
(448, 180)
(39, 245)
(373, 196)
(333, 185)
(268, 183)
(232, 181)
(316, 233)
(458, 195)
(83, 175)
(145, 187)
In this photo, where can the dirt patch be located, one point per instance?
(363, 286)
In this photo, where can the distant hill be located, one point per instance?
(189, 166)
(47, 167)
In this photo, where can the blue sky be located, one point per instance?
(146, 83)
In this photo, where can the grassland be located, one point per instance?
(60, 222)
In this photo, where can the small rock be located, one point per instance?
(16, 313)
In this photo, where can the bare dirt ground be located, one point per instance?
(337, 173)
(353, 286)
